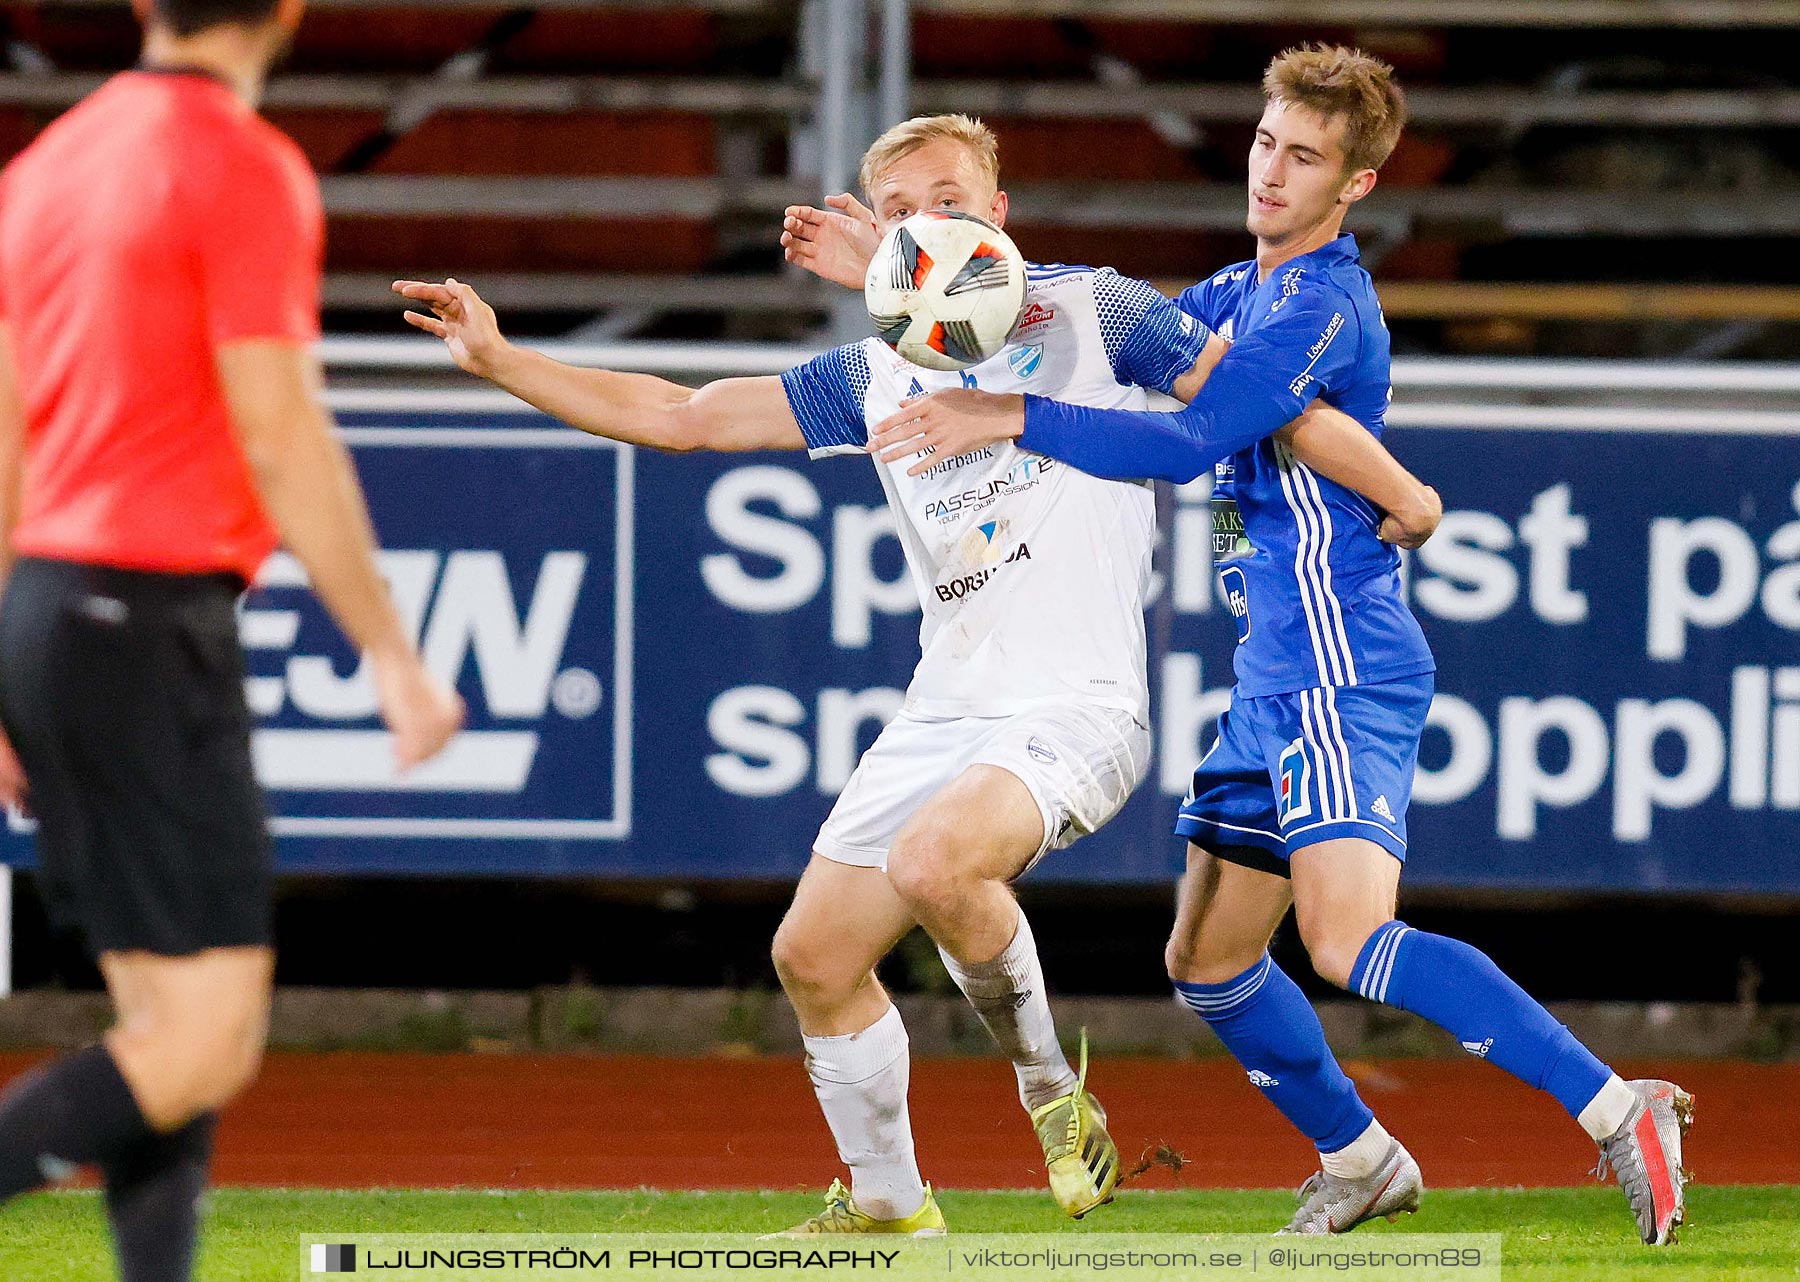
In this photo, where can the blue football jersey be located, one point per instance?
(1315, 594)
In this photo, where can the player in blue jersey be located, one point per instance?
(1303, 798)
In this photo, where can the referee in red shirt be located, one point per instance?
(160, 422)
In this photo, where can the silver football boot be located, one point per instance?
(1645, 1156)
(1332, 1205)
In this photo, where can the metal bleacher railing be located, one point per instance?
(381, 373)
(845, 85)
(1488, 13)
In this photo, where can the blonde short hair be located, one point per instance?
(1333, 80)
(910, 135)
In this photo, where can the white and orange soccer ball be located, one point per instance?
(945, 289)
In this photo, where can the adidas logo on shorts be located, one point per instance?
(1479, 1049)
(1262, 1079)
(1382, 808)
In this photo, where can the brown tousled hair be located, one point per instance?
(1333, 80)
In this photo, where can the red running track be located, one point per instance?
(521, 1121)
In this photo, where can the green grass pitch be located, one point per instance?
(1551, 1235)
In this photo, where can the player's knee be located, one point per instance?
(1334, 938)
(912, 878)
(223, 1047)
(230, 1066)
(923, 867)
(180, 1072)
(808, 972)
(1333, 962)
(1332, 948)
(1179, 955)
(1199, 958)
(244, 1063)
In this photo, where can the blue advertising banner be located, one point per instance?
(673, 663)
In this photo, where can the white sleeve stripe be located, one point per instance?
(1323, 344)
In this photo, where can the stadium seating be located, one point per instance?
(628, 160)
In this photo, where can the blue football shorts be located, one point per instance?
(1292, 770)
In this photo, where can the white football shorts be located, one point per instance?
(1079, 761)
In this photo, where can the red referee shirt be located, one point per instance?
(154, 222)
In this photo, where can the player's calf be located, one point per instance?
(844, 918)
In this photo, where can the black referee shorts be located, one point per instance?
(123, 693)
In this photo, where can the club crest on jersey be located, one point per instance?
(1237, 598)
(1035, 314)
(1295, 798)
(1025, 360)
(1040, 751)
(1290, 287)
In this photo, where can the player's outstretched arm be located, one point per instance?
(1265, 381)
(304, 477)
(639, 409)
(835, 243)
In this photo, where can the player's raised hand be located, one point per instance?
(836, 243)
(419, 710)
(460, 317)
(947, 424)
(1409, 528)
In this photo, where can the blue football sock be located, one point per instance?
(1266, 1022)
(1460, 990)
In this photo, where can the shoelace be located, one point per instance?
(837, 1206)
(1071, 1128)
(1073, 1136)
(1628, 1166)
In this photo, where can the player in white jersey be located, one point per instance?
(1024, 725)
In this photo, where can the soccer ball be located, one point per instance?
(945, 289)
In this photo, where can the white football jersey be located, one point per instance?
(1032, 574)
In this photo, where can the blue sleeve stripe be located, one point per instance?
(826, 395)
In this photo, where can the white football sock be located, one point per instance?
(1008, 994)
(1606, 1112)
(861, 1080)
(1360, 1156)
